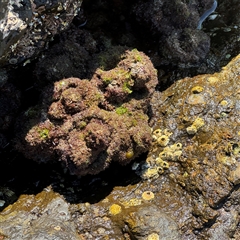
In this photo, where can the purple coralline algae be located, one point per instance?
(86, 124)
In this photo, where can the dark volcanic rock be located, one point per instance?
(9, 105)
(174, 25)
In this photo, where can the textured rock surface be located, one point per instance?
(9, 105)
(202, 113)
(150, 223)
(27, 26)
(44, 216)
(174, 23)
(88, 124)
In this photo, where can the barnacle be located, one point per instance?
(157, 132)
(152, 172)
(153, 236)
(197, 89)
(147, 195)
(163, 140)
(162, 163)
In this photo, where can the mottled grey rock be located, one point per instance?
(27, 26)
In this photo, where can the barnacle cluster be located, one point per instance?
(196, 125)
(162, 153)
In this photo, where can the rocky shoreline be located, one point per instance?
(151, 151)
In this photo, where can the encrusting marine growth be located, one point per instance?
(86, 124)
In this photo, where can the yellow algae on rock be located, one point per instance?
(131, 202)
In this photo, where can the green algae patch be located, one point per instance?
(43, 133)
(121, 110)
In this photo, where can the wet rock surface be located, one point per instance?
(149, 223)
(202, 113)
(44, 216)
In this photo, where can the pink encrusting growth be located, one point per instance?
(87, 124)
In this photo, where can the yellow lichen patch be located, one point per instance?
(115, 209)
(147, 195)
(197, 89)
(131, 202)
(212, 80)
(153, 236)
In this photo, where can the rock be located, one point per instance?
(10, 100)
(44, 216)
(27, 26)
(150, 223)
(87, 124)
(174, 25)
(201, 115)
